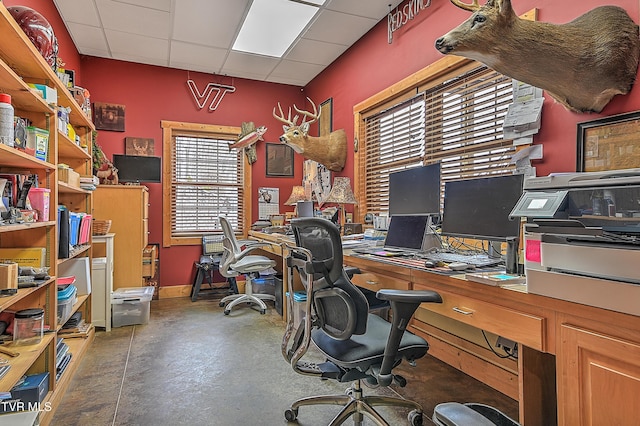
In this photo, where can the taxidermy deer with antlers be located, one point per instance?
(582, 64)
(329, 150)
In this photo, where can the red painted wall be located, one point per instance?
(151, 94)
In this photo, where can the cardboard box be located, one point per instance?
(49, 94)
(33, 389)
(28, 256)
(69, 176)
(8, 275)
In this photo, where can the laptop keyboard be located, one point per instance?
(477, 260)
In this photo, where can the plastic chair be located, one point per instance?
(236, 261)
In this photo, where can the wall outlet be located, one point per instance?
(507, 345)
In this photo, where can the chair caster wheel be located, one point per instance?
(415, 418)
(226, 311)
(263, 311)
(291, 415)
(221, 304)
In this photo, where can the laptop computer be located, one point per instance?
(406, 236)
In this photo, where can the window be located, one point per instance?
(456, 120)
(202, 180)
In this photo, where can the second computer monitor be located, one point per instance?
(415, 191)
(480, 208)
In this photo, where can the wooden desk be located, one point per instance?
(576, 364)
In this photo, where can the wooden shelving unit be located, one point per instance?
(20, 63)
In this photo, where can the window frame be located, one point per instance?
(172, 129)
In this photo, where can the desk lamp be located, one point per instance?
(297, 194)
(341, 194)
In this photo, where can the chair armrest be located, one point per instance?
(249, 246)
(351, 271)
(403, 304)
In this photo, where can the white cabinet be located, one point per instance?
(102, 281)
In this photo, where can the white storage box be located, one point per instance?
(131, 305)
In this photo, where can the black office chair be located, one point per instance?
(357, 345)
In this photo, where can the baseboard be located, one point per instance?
(171, 291)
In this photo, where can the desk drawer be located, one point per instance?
(375, 282)
(517, 326)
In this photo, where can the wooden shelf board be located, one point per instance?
(25, 226)
(21, 363)
(68, 148)
(75, 253)
(65, 188)
(6, 302)
(12, 157)
(22, 96)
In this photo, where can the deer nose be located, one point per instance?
(442, 46)
(282, 139)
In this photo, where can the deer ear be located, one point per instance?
(305, 128)
(285, 128)
(505, 7)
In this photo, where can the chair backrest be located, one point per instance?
(231, 249)
(341, 308)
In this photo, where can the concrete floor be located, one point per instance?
(192, 365)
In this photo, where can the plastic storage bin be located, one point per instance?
(131, 306)
(39, 199)
(264, 285)
(66, 299)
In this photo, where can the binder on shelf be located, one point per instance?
(63, 232)
(74, 227)
(85, 229)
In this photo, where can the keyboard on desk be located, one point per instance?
(477, 260)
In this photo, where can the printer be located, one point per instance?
(582, 237)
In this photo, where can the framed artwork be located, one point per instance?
(316, 180)
(325, 124)
(609, 143)
(108, 116)
(279, 160)
(139, 146)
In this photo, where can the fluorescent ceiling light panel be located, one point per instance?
(271, 26)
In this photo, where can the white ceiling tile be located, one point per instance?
(196, 58)
(316, 52)
(260, 65)
(364, 8)
(339, 28)
(87, 37)
(80, 11)
(293, 69)
(208, 22)
(163, 5)
(134, 19)
(127, 46)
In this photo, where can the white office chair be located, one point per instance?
(236, 261)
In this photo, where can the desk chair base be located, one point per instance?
(247, 297)
(357, 405)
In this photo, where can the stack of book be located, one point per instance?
(63, 356)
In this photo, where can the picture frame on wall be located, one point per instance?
(609, 143)
(108, 116)
(325, 123)
(139, 146)
(279, 160)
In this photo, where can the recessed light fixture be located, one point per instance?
(271, 26)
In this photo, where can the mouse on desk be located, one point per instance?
(459, 266)
(430, 264)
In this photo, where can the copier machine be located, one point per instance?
(582, 237)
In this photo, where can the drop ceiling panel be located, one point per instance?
(208, 22)
(197, 35)
(134, 19)
(340, 28)
(197, 58)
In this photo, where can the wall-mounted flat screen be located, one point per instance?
(137, 168)
(480, 208)
(415, 191)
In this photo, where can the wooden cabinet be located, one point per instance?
(20, 63)
(598, 374)
(127, 206)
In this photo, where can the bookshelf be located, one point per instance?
(20, 63)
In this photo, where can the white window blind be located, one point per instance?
(457, 122)
(206, 182)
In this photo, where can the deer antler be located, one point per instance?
(470, 7)
(314, 116)
(287, 120)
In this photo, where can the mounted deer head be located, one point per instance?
(582, 64)
(329, 150)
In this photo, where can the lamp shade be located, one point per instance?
(297, 194)
(341, 192)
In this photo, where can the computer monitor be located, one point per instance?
(137, 168)
(415, 191)
(407, 232)
(480, 208)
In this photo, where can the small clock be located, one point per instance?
(368, 218)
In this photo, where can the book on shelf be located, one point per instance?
(495, 278)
